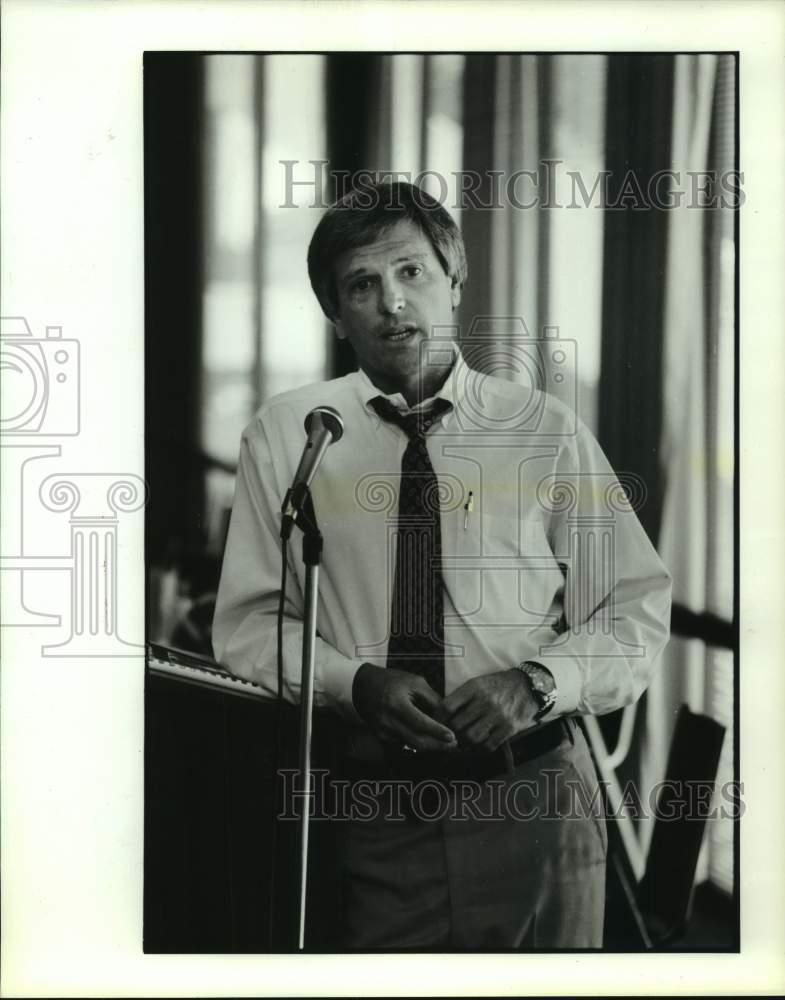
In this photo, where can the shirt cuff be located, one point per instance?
(337, 680)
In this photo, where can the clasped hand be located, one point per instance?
(482, 713)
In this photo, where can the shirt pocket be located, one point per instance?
(503, 573)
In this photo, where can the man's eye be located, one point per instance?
(361, 285)
(412, 270)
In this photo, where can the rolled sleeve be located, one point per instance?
(246, 615)
(617, 591)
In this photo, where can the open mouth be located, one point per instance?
(399, 333)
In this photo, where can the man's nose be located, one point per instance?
(391, 297)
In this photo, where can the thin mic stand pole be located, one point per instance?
(312, 554)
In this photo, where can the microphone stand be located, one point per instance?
(312, 556)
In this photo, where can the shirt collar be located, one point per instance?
(453, 389)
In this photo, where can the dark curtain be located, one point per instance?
(479, 101)
(638, 129)
(352, 83)
(173, 102)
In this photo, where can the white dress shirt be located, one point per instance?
(542, 557)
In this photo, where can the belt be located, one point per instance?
(407, 765)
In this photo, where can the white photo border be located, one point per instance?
(72, 257)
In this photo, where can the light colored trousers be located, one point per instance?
(533, 876)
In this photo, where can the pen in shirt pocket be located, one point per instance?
(468, 507)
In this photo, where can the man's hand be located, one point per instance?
(399, 706)
(486, 711)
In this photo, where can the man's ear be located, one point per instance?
(340, 333)
(455, 293)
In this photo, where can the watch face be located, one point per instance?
(542, 679)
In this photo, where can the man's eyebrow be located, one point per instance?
(415, 255)
(346, 278)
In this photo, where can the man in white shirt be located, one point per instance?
(546, 600)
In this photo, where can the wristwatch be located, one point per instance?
(541, 684)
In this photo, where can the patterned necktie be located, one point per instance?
(417, 613)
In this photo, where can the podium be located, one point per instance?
(210, 810)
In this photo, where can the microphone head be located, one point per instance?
(331, 419)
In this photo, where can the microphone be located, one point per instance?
(323, 425)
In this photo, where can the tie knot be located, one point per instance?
(414, 424)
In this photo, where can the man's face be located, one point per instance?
(391, 295)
